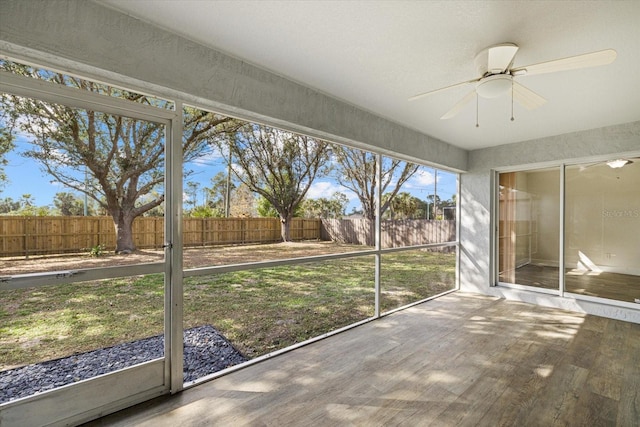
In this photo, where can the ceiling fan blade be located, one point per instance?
(593, 59)
(500, 57)
(422, 95)
(526, 97)
(459, 106)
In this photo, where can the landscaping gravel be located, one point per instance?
(205, 351)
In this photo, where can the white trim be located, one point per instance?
(605, 301)
(571, 162)
(64, 277)
(87, 399)
(174, 298)
(561, 237)
(528, 288)
(378, 238)
(58, 94)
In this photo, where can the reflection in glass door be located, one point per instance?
(528, 232)
(602, 217)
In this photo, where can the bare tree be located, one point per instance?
(279, 166)
(357, 172)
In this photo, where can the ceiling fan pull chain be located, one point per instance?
(512, 118)
(477, 120)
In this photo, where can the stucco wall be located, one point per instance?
(97, 41)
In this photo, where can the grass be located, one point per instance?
(259, 311)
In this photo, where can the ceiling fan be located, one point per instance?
(497, 76)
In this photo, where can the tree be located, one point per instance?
(69, 204)
(8, 205)
(6, 145)
(325, 208)
(403, 205)
(124, 157)
(217, 193)
(192, 193)
(265, 209)
(279, 166)
(243, 203)
(434, 202)
(204, 211)
(357, 172)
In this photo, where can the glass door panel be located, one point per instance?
(528, 228)
(602, 217)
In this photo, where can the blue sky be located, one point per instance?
(27, 177)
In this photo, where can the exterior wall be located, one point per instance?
(475, 204)
(99, 42)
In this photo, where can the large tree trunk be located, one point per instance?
(124, 233)
(285, 228)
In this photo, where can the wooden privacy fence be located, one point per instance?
(394, 233)
(35, 235)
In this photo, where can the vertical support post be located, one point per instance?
(378, 234)
(86, 185)
(458, 239)
(561, 289)
(493, 222)
(173, 254)
(227, 192)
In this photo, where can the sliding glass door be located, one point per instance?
(600, 213)
(602, 239)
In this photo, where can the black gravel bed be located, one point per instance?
(205, 351)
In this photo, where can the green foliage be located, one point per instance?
(204, 212)
(404, 206)
(325, 208)
(68, 204)
(266, 209)
(6, 145)
(8, 205)
(217, 193)
(97, 251)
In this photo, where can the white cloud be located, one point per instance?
(326, 189)
(212, 158)
(421, 179)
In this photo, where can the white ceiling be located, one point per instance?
(376, 54)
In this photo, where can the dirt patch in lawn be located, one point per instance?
(193, 257)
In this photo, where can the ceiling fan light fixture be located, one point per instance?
(618, 163)
(494, 86)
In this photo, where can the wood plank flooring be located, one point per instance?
(460, 360)
(616, 286)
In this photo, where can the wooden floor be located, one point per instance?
(462, 359)
(616, 286)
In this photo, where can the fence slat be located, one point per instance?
(394, 233)
(41, 235)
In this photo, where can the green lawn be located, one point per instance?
(259, 311)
